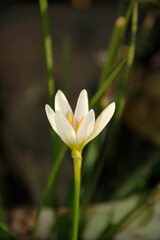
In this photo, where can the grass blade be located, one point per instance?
(106, 83)
(48, 47)
(118, 33)
(49, 186)
(122, 85)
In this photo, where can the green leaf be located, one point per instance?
(106, 83)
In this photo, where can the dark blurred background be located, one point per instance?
(25, 158)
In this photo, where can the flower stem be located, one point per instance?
(77, 161)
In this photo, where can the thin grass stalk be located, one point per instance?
(64, 86)
(131, 53)
(65, 221)
(105, 84)
(48, 48)
(43, 4)
(49, 186)
(133, 41)
(118, 33)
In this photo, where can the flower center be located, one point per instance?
(70, 120)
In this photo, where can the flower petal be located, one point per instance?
(102, 121)
(51, 117)
(81, 108)
(62, 105)
(86, 127)
(65, 129)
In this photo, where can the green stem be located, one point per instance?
(48, 48)
(77, 161)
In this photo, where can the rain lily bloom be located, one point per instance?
(78, 128)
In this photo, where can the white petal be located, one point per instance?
(102, 121)
(62, 105)
(51, 117)
(65, 129)
(86, 127)
(81, 107)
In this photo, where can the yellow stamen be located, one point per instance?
(79, 123)
(70, 118)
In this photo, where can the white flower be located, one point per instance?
(77, 129)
